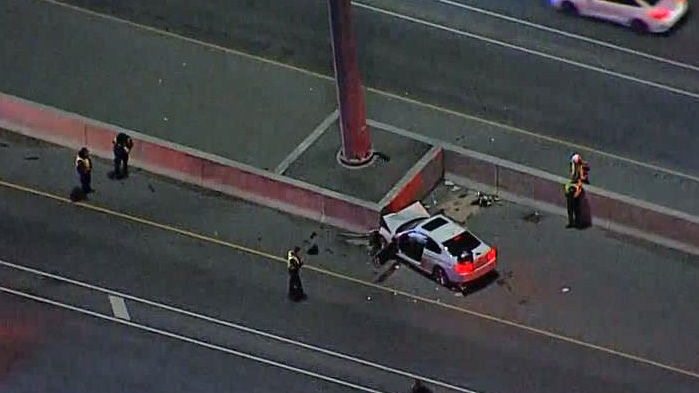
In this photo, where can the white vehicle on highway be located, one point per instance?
(437, 245)
(642, 15)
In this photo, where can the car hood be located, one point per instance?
(412, 212)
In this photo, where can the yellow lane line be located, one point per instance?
(340, 276)
(506, 127)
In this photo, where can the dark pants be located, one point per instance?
(295, 286)
(121, 165)
(574, 209)
(85, 180)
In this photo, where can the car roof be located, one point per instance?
(443, 232)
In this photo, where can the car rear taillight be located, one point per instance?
(658, 13)
(491, 255)
(463, 267)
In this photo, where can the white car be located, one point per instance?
(437, 245)
(642, 15)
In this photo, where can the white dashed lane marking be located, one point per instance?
(119, 307)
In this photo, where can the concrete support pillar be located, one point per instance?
(356, 141)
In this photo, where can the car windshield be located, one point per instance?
(461, 243)
(410, 224)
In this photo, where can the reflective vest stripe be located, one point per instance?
(86, 162)
(293, 261)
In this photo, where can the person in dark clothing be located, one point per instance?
(294, 264)
(573, 193)
(579, 169)
(83, 164)
(122, 144)
(418, 387)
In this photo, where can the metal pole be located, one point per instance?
(356, 142)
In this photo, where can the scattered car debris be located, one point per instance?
(382, 156)
(313, 250)
(449, 183)
(485, 200)
(534, 217)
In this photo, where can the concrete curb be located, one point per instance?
(190, 165)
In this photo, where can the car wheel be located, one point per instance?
(639, 26)
(569, 8)
(440, 276)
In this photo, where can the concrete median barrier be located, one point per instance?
(476, 170)
(190, 165)
(417, 183)
(610, 210)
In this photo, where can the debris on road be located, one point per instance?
(565, 290)
(485, 200)
(313, 250)
(534, 217)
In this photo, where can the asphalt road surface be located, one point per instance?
(579, 80)
(203, 281)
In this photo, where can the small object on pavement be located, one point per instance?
(565, 290)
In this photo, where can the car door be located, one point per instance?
(411, 247)
(620, 11)
(432, 256)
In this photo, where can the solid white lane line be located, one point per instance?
(240, 327)
(119, 307)
(571, 35)
(192, 341)
(303, 146)
(529, 51)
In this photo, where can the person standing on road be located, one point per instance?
(418, 387)
(579, 169)
(83, 164)
(573, 193)
(294, 264)
(122, 147)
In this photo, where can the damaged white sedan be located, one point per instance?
(452, 255)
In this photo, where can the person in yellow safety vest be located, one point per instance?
(83, 164)
(122, 144)
(573, 193)
(294, 264)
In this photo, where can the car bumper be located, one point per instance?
(665, 25)
(476, 274)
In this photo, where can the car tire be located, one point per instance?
(441, 277)
(569, 8)
(639, 26)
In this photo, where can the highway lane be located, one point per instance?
(418, 338)
(46, 348)
(621, 305)
(677, 44)
(507, 85)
